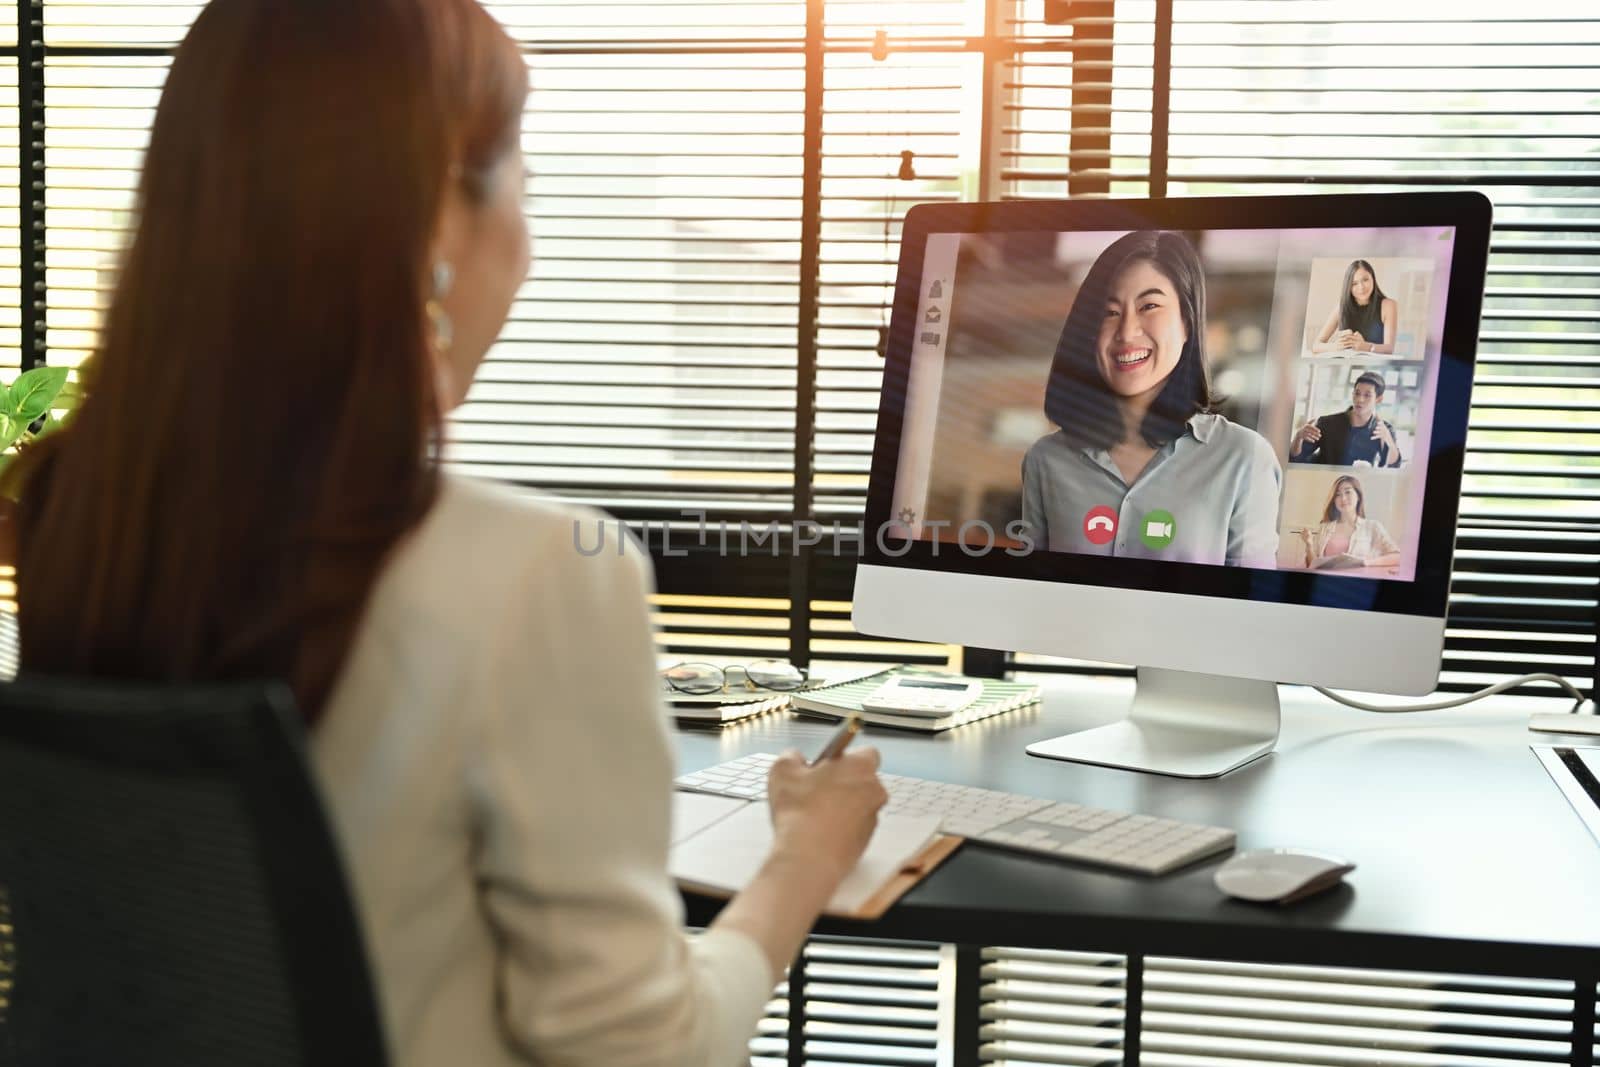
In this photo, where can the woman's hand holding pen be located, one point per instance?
(1308, 542)
(824, 814)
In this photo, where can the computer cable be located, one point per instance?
(1587, 722)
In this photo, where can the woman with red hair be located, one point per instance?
(330, 237)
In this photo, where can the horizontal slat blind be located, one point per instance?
(8, 644)
(770, 1045)
(718, 629)
(99, 106)
(648, 366)
(116, 25)
(877, 1004)
(99, 112)
(703, 24)
(1068, 1008)
(10, 215)
(666, 189)
(833, 637)
(1042, 1007)
(914, 99)
(87, 154)
(1074, 102)
(898, 78)
(1201, 1011)
(1269, 98)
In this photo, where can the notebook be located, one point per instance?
(735, 703)
(720, 709)
(719, 843)
(837, 701)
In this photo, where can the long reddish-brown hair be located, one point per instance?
(262, 425)
(1331, 512)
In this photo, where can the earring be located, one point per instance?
(444, 276)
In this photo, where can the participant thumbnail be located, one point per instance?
(1375, 306)
(1350, 413)
(1345, 523)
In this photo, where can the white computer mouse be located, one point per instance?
(1280, 875)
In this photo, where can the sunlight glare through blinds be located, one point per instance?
(1367, 97)
(10, 221)
(649, 363)
(100, 110)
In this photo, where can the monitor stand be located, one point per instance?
(1182, 724)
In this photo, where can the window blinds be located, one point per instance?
(653, 365)
(1281, 97)
(99, 108)
(1071, 1008)
(10, 213)
(1198, 97)
(872, 1003)
(649, 366)
(900, 91)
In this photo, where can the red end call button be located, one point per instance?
(1100, 525)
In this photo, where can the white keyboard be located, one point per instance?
(1098, 836)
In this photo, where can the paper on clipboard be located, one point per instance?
(724, 854)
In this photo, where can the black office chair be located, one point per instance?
(174, 892)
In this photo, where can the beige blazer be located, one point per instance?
(498, 769)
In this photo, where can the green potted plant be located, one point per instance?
(29, 407)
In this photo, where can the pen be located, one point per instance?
(840, 739)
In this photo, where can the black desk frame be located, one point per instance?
(1135, 941)
(1422, 900)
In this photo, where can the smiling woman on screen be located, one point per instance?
(1130, 390)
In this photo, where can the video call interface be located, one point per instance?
(1054, 401)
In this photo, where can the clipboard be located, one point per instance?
(937, 851)
(719, 843)
(923, 864)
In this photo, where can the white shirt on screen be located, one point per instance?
(497, 767)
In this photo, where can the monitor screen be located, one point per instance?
(1260, 399)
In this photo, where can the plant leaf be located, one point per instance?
(11, 428)
(69, 398)
(34, 391)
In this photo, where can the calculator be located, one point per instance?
(911, 694)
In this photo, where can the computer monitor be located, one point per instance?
(1219, 439)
